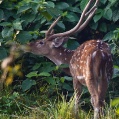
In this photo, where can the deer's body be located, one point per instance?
(90, 64)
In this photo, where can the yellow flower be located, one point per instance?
(9, 80)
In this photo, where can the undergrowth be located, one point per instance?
(14, 105)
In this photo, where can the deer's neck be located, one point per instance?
(60, 55)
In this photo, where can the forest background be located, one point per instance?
(34, 84)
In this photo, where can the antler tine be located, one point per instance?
(82, 22)
(95, 5)
(87, 21)
(51, 27)
(90, 14)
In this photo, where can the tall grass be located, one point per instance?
(60, 109)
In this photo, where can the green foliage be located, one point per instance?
(23, 21)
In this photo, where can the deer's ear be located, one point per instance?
(59, 41)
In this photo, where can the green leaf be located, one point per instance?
(44, 74)
(54, 11)
(17, 24)
(62, 5)
(75, 9)
(115, 102)
(72, 44)
(27, 84)
(61, 25)
(46, 15)
(103, 1)
(108, 14)
(3, 53)
(116, 15)
(23, 9)
(36, 66)
(47, 67)
(7, 32)
(64, 66)
(50, 4)
(83, 4)
(5, 24)
(98, 15)
(1, 15)
(94, 25)
(28, 17)
(67, 87)
(51, 80)
(68, 78)
(103, 27)
(32, 74)
(108, 36)
(72, 17)
(24, 36)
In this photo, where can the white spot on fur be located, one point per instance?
(80, 77)
(60, 53)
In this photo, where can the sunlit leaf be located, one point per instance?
(44, 74)
(32, 74)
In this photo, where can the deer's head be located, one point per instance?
(51, 40)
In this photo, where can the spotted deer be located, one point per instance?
(90, 64)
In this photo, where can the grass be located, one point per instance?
(24, 106)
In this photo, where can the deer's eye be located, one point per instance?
(41, 43)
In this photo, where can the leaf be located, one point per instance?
(98, 15)
(28, 17)
(62, 5)
(72, 44)
(75, 9)
(36, 66)
(32, 74)
(103, 1)
(116, 15)
(103, 27)
(51, 80)
(44, 74)
(94, 25)
(3, 53)
(83, 4)
(61, 25)
(5, 24)
(108, 36)
(27, 84)
(72, 17)
(68, 78)
(23, 9)
(115, 102)
(47, 67)
(46, 15)
(17, 24)
(1, 15)
(50, 4)
(23, 37)
(108, 14)
(64, 66)
(54, 11)
(7, 32)
(67, 87)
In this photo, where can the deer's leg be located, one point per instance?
(77, 91)
(102, 89)
(92, 86)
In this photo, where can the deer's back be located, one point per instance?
(90, 54)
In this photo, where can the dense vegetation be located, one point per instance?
(34, 82)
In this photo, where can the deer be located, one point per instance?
(90, 64)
